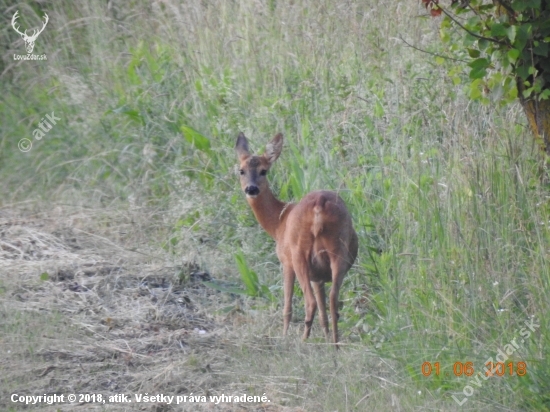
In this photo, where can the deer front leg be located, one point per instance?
(288, 290)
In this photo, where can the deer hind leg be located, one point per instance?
(339, 269)
(288, 290)
(302, 270)
(319, 289)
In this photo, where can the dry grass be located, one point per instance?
(84, 314)
(106, 319)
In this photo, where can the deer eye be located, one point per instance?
(241, 171)
(263, 172)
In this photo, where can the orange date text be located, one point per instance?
(467, 369)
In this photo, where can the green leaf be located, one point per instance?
(538, 85)
(44, 276)
(479, 67)
(475, 89)
(545, 94)
(195, 138)
(513, 54)
(474, 53)
(513, 94)
(439, 60)
(523, 71)
(473, 23)
(481, 63)
(522, 5)
(511, 33)
(498, 29)
(482, 44)
(522, 35)
(248, 276)
(541, 49)
(475, 93)
(477, 73)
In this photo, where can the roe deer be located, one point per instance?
(315, 238)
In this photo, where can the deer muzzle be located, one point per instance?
(252, 191)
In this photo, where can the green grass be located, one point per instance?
(448, 197)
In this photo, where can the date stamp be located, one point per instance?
(467, 369)
(498, 366)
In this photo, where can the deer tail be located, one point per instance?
(317, 220)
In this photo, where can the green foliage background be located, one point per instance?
(507, 42)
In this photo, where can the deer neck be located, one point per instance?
(270, 212)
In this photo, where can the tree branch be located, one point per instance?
(468, 31)
(430, 53)
(506, 6)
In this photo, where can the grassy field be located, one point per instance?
(127, 247)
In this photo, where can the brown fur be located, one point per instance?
(315, 238)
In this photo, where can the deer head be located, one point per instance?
(29, 40)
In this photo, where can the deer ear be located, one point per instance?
(241, 147)
(273, 149)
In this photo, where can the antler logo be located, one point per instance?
(29, 40)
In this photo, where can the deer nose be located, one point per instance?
(252, 190)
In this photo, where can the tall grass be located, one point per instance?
(447, 196)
